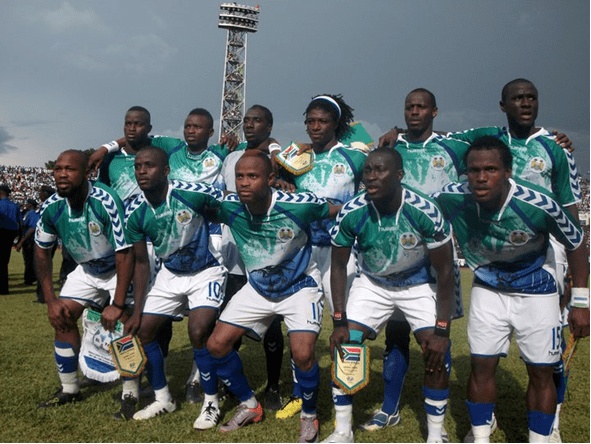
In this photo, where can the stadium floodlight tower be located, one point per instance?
(238, 20)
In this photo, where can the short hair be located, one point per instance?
(5, 189)
(505, 90)
(491, 143)
(426, 91)
(202, 112)
(47, 190)
(266, 111)
(343, 115)
(32, 202)
(83, 157)
(141, 109)
(161, 155)
(394, 156)
(259, 155)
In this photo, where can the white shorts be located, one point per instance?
(171, 294)
(89, 290)
(535, 320)
(371, 304)
(322, 257)
(302, 311)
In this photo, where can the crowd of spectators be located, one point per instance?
(24, 182)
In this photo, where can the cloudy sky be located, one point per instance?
(72, 68)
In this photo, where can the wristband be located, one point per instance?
(339, 319)
(120, 307)
(579, 297)
(111, 146)
(274, 147)
(442, 328)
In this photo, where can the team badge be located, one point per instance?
(94, 228)
(537, 165)
(339, 169)
(351, 372)
(518, 237)
(408, 241)
(285, 234)
(438, 163)
(183, 217)
(209, 163)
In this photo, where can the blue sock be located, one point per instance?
(480, 412)
(309, 382)
(448, 360)
(209, 379)
(437, 395)
(297, 390)
(155, 365)
(394, 372)
(66, 357)
(539, 422)
(229, 370)
(340, 399)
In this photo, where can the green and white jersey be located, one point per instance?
(188, 167)
(508, 249)
(394, 249)
(431, 164)
(92, 235)
(276, 247)
(177, 227)
(537, 160)
(118, 172)
(336, 176)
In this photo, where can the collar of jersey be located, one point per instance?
(273, 200)
(541, 132)
(497, 216)
(403, 140)
(329, 152)
(397, 215)
(167, 199)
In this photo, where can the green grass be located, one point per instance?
(28, 375)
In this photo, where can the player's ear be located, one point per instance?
(271, 179)
(400, 174)
(211, 131)
(166, 170)
(87, 172)
(435, 111)
(502, 105)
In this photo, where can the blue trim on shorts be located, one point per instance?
(174, 318)
(249, 332)
(205, 306)
(303, 331)
(423, 328)
(500, 355)
(84, 302)
(540, 364)
(372, 333)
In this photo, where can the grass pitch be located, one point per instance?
(28, 375)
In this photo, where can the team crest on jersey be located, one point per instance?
(537, 165)
(438, 163)
(285, 234)
(518, 237)
(183, 217)
(339, 169)
(94, 228)
(209, 163)
(408, 241)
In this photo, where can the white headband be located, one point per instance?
(331, 100)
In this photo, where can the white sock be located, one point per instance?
(343, 418)
(481, 433)
(195, 375)
(435, 422)
(556, 424)
(163, 394)
(305, 415)
(251, 402)
(536, 437)
(70, 382)
(131, 387)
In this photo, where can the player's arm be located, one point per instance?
(29, 234)
(96, 159)
(435, 347)
(388, 140)
(338, 283)
(58, 312)
(124, 269)
(141, 276)
(230, 141)
(578, 319)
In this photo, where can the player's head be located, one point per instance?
(488, 165)
(382, 173)
(254, 177)
(45, 192)
(327, 119)
(137, 126)
(4, 191)
(257, 125)
(198, 128)
(71, 172)
(151, 169)
(519, 101)
(420, 108)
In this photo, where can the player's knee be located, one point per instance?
(303, 357)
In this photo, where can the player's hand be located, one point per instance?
(60, 316)
(434, 348)
(388, 140)
(132, 325)
(110, 316)
(303, 148)
(18, 246)
(578, 322)
(563, 140)
(340, 335)
(230, 140)
(96, 159)
(283, 185)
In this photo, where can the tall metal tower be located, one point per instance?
(238, 20)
